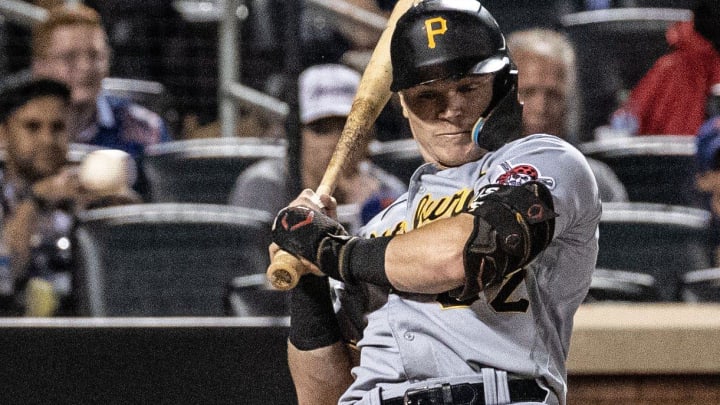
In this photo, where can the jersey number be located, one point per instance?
(501, 304)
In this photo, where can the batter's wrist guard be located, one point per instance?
(323, 241)
(312, 319)
(353, 259)
(512, 225)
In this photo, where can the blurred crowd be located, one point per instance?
(157, 41)
(54, 93)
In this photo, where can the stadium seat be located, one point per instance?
(701, 285)
(399, 157)
(149, 94)
(252, 295)
(615, 48)
(682, 4)
(203, 170)
(663, 241)
(655, 169)
(623, 286)
(164, 259)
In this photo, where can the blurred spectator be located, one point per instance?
(41, 192)
(671, 98)
(71, 46)
(547, 79)
(547, 88)
(326, 93)
(355, 51)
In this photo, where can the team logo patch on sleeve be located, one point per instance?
(515, 175)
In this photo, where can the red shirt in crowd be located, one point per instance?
(670, 99)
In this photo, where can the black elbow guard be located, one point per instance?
(513, 224)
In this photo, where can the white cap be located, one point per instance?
(326, 91)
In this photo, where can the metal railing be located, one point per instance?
(22, 12)
(229, 14)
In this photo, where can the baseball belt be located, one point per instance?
(467, 394)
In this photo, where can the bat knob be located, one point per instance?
(285, 270)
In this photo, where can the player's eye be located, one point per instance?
(555, 96)
(32, 126)
(325, 126)
(468, 88)
(58, 126)
(427, 95)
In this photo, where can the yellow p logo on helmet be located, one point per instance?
(439, 29)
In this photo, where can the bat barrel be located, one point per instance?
(373, 93)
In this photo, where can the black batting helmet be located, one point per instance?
(442, 39)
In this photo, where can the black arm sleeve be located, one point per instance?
(312, 319)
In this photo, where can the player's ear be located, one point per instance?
(402, 104)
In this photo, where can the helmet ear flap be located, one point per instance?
(502, 122)
(502, 83)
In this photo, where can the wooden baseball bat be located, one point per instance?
(373, 93)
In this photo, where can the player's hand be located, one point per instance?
(59, 188)
(312, 236)
(318, 202)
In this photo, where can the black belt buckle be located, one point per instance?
(425, 396)
(444, 394)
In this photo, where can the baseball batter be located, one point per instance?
(464, 290)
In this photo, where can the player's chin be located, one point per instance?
(47, 166)
(537, 126)
(45, 171)
(459, 156)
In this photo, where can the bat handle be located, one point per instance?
(285, 271)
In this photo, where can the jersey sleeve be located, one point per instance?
(558, 165)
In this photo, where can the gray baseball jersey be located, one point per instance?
(521, 326)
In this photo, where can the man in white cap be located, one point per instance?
(326, 93)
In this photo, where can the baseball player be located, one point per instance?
(463, 291)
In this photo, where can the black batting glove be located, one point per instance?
(312, 235)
